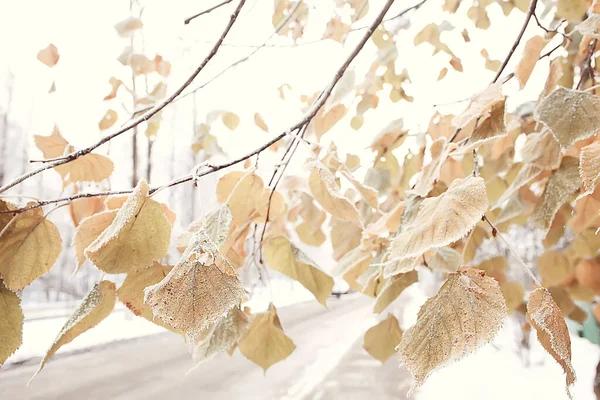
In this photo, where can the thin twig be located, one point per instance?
(530, 13)
(188, 20)
(135, 122)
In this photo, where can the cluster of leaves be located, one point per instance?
(405, 215)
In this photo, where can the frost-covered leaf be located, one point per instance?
(393, 288)
(97, 305)
(589, 166)
(381, 339)
(265, 343)
(221, 337)
(88, 230)
(217, 225)
(327, 193)
(590, 26)
(444, 259)
(561, 185)
(465, 314)
(284, 257)
(11, 322)
(397, 266)
(443, 219)
(139, 235)
(552, 332)
(88, 168)
(542, 150)
(479, 104)
(571, 115)
(490, 126)
(131, 292)
(29, 246)
(430, 173)
(554, 267)
(531, 54)
(368, 193)
(49, 55)
(345, 236)
(198, 291)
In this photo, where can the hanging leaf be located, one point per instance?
(431, 34)
(368, 193)
(139, 235)
(554, 267)
(115, 84)
(97, 305)
(49, 55)
(561, 185)
(260, 122)
(430, 173)
(88, 230)
(87, 168)
(479, 104)
(527, 173)
(128, 26)
(444, 259)
(542, 150)
(589, 166)
(265, 343)
(327, 193)
(324, 121)
(230, 120)
(571, 115)
(198, 290)
(11, 322)
(223, 336)
(443, 219)
(29, 246)
(572, 10)
(490, 126)
(390, 137)
(381, 339)
(552, 332)
(310, 237)
(531, 54)
(284, 257)
(470, 308)
(345, 236)
(108, 120)
(393, 288)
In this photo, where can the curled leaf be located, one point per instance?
(393, 288)
(88, 230)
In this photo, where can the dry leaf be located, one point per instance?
(284, 257)
(444, 259)
(552, 332)
(221, 337)
(88, 230)
(127, 26)
(265, 343)
(589, 166)
(382, 339)
(230, 120)
(542, 150)
(310, 237)
(527, 173)
(490, 126)
(368, 193)
(11, 322)
(345, 236)
(571, 115)
(327, 193)
(88, 168)
(443, 219)
(49, 55)
(324, 121)
(430, 173)
(531, 54)
(29, 246)
(108, 120)
(561, 185)
(85, 207)
(479, 104)
(393, 288)
(260, 122)
(431, 34)
(554, 267)
(465, 314)
(513, 293)
(390, 137)
(97, 305)
(139, 235)
(198, 291)
(131, 292)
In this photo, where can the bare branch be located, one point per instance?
(188, 20)
(530, 13)
(135, 122)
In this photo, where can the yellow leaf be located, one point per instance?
(140, 64)
(589, 166)
(430, 173)
(490, 126)
(393, 288)
(470, 308)
(85, 207)
(226, 185)
(513, 293)
(139, 235)
(443, 219)
(127, 26)
(49, 55)
(245, 197)
(336, 29)
(586, 213)
(265, 343)
(531, 54)
(554, 268)
(131, 292)
(308, 236)
(284, 257)
(442, 74)
(388, 222)
(571, 115)
(230, 120)
(11, 322)
(198, 290)
(97, 305)
(88, 230)
(345, 236)
(327, 193)
(223, 336)
(88, 168)
(586, 243)
(381, 339)
(327, 120)
(390, 137)
(431, 34)
(494, 267)
(552, 332)
(572, 10)
(561, 185)
(479, 16)
(527, 173)
(479, 104)
(542, 150)
(29, 246)
(444, 259)
(260, 122)
(368, 193)
(108, 120)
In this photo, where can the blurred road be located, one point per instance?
(329, 363)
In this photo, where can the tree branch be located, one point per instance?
(188, 20)
(135, 122)
(530, 13)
